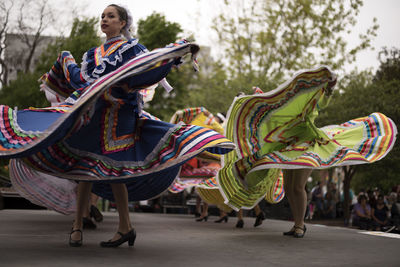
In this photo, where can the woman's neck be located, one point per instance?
(113, 39)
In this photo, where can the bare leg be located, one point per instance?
(294, 182)
(121, 200)
(198, 205)
(204, 211)
(240, 222)
(222, 213)
(93, 199)
(288, 185)
(93, 211)
(300, 195)
(240, 215)
(86, 213)
(82, 202)
(260, 216)
(257, 209)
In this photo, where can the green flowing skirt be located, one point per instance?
(276, 130)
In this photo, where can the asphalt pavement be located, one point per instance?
(40, 238)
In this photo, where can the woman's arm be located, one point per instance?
(64, 77)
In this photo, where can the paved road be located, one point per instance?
(40, 238)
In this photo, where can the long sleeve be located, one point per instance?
(64, 77)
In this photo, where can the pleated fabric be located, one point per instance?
(100, 133)
(276, 130)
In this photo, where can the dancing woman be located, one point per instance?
(204, 166)
(99, 135)
(275, 130)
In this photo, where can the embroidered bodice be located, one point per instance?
(109, 56)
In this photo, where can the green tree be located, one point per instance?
(390, 65)
(358, 95)
(210, 90)
(24, 91)
(155, 32)
(82, 37)
(268, 39)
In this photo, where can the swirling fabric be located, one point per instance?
(276, 130)
(100, 132)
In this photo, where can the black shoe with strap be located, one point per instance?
(88, 223)
(75, 243)
(224, 218)
(291, 232)
(260, 218)
(96, 214)
(205, 218)
(128, 237)
(297, 234)
(239, 224)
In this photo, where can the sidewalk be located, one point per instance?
(40, 238)
(329, 222)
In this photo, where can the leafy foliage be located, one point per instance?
(83, 36)
(155, 32)
(271, 38)
(24, 91)
(359, 95)
(390, 65)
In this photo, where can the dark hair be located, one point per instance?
(123, 15)
(361, 197)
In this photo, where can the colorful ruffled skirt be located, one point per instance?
(206, 164)
(98, 138)
(203, 178)
(276, 130)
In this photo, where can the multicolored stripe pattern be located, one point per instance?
(276, 192)
(11, 135)
(181, 184)
(179, 144)
(209, 192)
(209, 163)
(186, 115)
(276, 130)
(42, 189)
(16, 142)
(59, 81)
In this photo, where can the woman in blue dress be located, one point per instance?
(99, 135)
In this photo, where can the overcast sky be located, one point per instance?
(196, 16)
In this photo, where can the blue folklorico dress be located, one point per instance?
(99, 133)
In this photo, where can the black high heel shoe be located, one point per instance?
(96, 214)
(205, 218)
(240, 224)
(130, 237)
(291, 232)
(225, 218)
(299, 235)
(88, 223)
(260, 218)
(75, 243)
